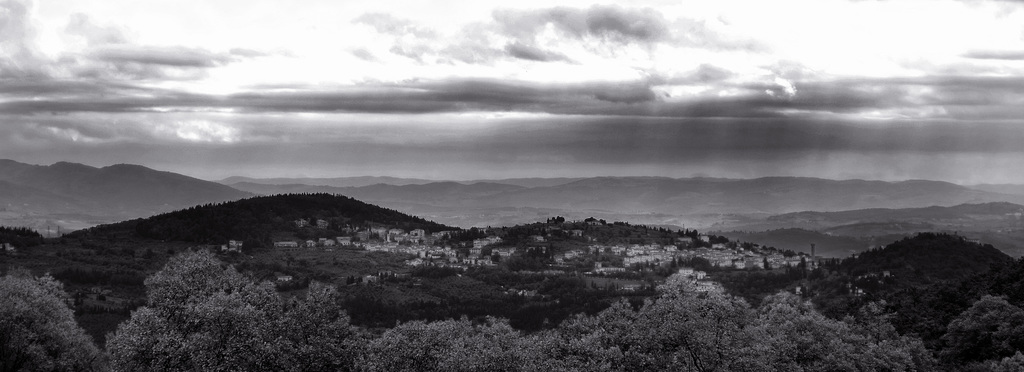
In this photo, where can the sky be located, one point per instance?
(470, 89)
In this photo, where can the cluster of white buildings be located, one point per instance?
(376, 238)
(720, 256)
(447, 257)
(483, 242)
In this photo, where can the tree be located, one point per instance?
(990, 329)
(802, 339)
(681, 330)
(37, 329)
(202, 316)
(451, 345)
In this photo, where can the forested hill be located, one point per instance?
(256, 220)
(927, 257)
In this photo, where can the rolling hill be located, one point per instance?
(256, 220)
(34, 193)
(1000, 224)
(928, 257)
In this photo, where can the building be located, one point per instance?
(417, 234)
(321, 224)
(301, 223)
(381, 232)
(286, 244)
(505, 252)
(344, 240)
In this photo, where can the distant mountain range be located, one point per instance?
(841, 233)
(81, 195)
(1001, 188)
(995, 215)
(77, 196)
(361, 181)
(650, 200)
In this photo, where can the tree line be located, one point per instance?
(204, 315)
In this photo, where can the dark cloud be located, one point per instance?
(612, 23)
(706, 73)
(110, 55)
(941, 98)
(162, 56)
(532, 53)
(1012, 55)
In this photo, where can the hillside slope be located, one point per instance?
(120, 189)
(256, 220)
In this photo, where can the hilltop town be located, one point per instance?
(590, 247)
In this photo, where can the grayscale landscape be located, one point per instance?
(460, 185)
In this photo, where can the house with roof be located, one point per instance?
(286, 245)
(505, 252)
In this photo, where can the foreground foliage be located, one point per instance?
(37, 329)
(204, 316)
(201, 316)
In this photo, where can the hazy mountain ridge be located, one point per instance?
(940, 216)
(639, 199)
(1012, 189)
(112, 193)
(435, 193)
(357, 181)
(360, 181)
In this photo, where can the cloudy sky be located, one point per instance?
(472, 89)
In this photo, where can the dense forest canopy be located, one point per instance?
(20, 236)
(254, 220)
